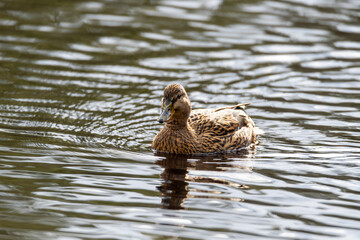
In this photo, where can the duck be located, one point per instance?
(187, 131)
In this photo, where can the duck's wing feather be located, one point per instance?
(220, 121)
(238, 106)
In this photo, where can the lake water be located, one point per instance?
(80, 89)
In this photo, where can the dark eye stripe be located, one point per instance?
(178, 97)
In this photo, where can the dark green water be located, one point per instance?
(80, 89)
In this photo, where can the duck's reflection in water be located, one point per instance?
(179, 169)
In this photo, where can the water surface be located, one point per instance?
(80, 89)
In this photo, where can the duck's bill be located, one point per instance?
(164, 116)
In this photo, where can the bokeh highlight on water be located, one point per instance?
(80, 89)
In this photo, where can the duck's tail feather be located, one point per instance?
(258, 131)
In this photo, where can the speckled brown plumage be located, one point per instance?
(204, 130)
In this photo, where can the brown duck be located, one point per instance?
(204, 130)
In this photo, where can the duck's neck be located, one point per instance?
(177, 125)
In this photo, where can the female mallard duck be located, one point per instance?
(201, 131)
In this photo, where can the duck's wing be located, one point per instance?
(238, 106)
(208, 110)
(220, 121)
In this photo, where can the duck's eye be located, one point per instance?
(176, 109)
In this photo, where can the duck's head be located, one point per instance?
(175, 105)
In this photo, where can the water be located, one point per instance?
(80, 89)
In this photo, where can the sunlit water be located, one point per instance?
(80, 89)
